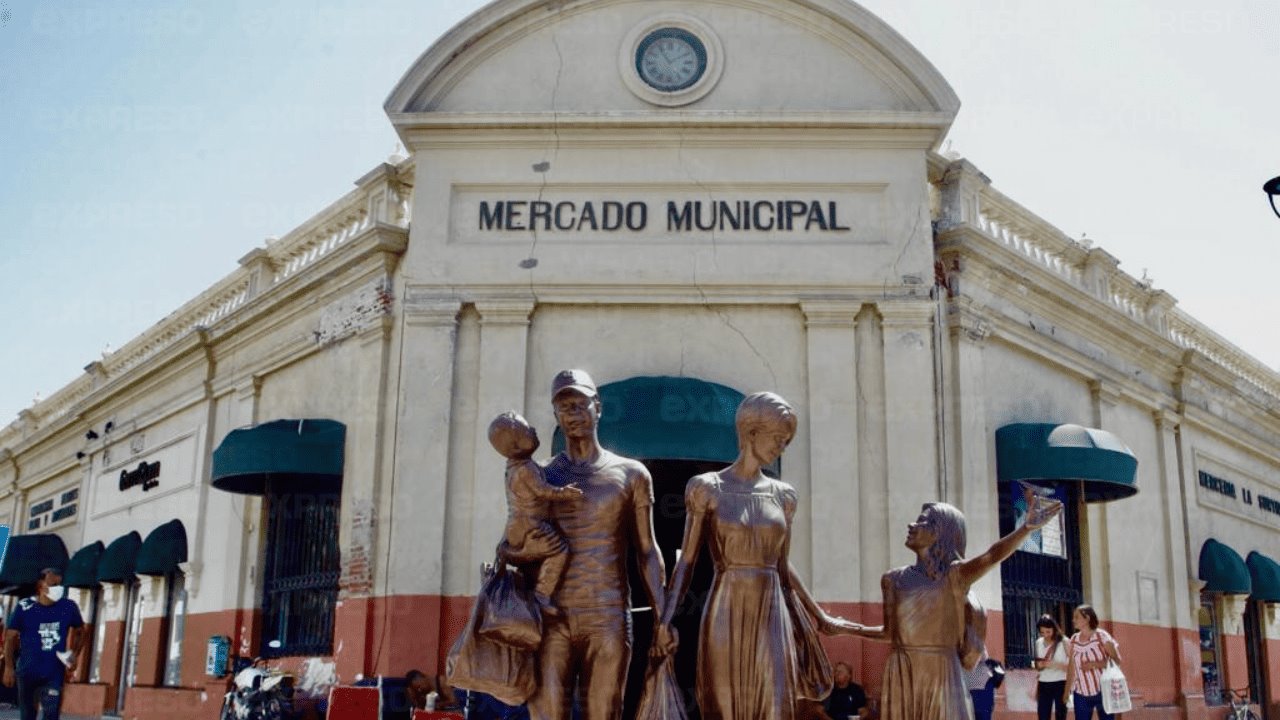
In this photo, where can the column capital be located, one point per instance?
(1166, 418)
(967, 318)
(513, 311)
(831, 313)
(430, 309)
(1104, 393)
(905, 313)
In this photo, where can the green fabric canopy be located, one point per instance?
(670, 418)
(1222, 569)
(287, 455)
(1045, 453)
(82, 569)
(1265, 574)
(163, 549)
(119, 559)
(26, 557)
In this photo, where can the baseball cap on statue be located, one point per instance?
(576, 380)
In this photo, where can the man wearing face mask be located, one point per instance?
(47, 630)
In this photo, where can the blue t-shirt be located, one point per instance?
(42, 632)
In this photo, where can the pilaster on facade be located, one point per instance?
(831, 328)
(420, 481)
(504, 336)
(910, 369)
(969, 475)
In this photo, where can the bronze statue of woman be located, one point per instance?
(753, 636)
(925, 610)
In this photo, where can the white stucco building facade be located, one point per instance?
(762, 208)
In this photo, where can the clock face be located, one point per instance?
(671, 59)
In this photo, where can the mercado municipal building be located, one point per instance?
(692, 200)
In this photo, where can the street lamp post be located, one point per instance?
(1272, 189)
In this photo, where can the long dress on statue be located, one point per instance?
(923, 678)
(746, 651)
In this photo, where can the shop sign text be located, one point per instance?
(676, 216)
(146, 474)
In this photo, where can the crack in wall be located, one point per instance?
(545, 166)
(697, 284)
(894, 271)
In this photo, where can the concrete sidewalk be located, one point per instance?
(9, 712)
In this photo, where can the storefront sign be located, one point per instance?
(146, 474)
(1217, 484)
(1247, 501)
(676, 216)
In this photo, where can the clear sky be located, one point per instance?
(146, 146)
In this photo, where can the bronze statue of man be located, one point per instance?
(587, 644)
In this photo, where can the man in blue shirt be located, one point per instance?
(44, 637)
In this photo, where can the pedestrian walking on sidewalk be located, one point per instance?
(1091, 649)
(42, 647)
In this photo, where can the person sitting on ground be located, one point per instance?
(847, 698)
(529, 531)
(417, 687)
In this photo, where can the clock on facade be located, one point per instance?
(671, 59)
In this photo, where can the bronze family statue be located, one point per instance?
(758, 654)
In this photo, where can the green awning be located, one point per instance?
(288, 455)
(1222, 569)
(1265, 575)
(26, 557)
(670, 418)
(119, 559)
(163, 549)
(82, 568)
(1046, 453)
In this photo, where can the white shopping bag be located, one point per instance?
(1115, 690)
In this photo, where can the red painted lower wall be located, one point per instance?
(390, 636)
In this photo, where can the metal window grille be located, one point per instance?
(302, 570)
(1033, 584)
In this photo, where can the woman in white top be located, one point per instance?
(1051, 660)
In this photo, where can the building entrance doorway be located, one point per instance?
(1255, 651)
(669, 480)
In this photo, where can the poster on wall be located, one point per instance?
(1209, 653)
(1049, 540)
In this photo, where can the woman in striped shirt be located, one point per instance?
(1091, 650)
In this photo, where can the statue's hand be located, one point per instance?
(665, 641)
(836, 625)
(571, 493)
(1040, 510)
